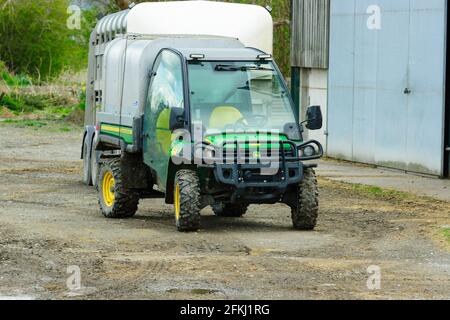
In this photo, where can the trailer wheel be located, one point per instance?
(230, 210)
(115, 200)
(306, 209)
(187, 200)
(87, 176)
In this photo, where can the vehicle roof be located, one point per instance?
(214, 48)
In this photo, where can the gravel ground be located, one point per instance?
(50, 221)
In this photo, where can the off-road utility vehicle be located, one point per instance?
(197, 114)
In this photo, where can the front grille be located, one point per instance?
(246, 155)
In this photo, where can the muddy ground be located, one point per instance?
(50, 221)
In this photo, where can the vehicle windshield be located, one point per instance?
(239, 97)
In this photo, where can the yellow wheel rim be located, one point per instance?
(177, 202)
(108, 189)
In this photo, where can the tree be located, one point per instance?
(36, 39)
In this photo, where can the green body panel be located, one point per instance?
(265, 140)
(177, 146)
(123, 132)
(242, 138)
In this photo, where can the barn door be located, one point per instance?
(425, 89)
(386, 83)
(391, 78)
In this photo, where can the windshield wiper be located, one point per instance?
(227, 67)
(257, 68)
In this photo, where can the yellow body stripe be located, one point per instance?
(117, 129)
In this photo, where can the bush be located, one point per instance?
(11, 102)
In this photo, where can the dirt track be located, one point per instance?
(49, 221)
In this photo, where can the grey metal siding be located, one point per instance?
(310, 33)
(371, 118)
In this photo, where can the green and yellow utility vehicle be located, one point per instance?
(198, 117)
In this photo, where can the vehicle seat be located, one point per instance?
(223, 116)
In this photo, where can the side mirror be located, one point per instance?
(176, 118)
(314, 118)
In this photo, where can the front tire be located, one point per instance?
(306, 209)
(115, 200)
(187, 198)
(230, 210)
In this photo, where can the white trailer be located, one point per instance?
(251, 25)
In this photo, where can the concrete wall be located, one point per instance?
(314, 92)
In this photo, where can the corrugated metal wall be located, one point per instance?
(386, 83)
(310, 33)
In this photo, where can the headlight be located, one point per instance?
(309, 151)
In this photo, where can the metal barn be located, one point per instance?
(386, 99)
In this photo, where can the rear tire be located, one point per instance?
(306, 209)
(230, 210)
(115, 200)
(187, 198)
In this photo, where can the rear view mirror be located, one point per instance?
(314, 118)
(176, 118)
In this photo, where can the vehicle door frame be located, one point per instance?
(147, 107)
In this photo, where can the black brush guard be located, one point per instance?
(252, 187)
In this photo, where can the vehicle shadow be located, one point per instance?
(210, 222)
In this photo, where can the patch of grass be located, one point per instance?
(367, 190)
(9, 121)
(446, 234)
(380, 192)
(62, 111)
(64, 129)
(49, 125)
(25, 123)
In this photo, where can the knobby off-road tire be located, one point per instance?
(230, 210)
(115, 200)
(306, 210)
(187, 202)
